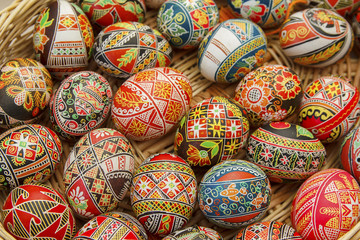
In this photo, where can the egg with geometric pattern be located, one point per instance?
(126, 48)
(194, 233)
(163, 193)
(98, 172)
(151, 103)
(327, 205)
(112, 225)
(329, 108)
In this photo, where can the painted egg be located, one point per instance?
(105, 13)
(350, 153)
(126, 48)
(184, 23)
(98, 172)
(286, 152)
(82, 103)
(231, 50)
(25, 91)
(163, 193)
(28, 154)
(234, 193)
(326, 206)
(112, 225)
(316, 37)
(212, 131)
(269, 93)
(344, 8)
(329, 108)
(63, 39)
(194, 233)
(35, 211)
(267, 231)
(151, 103)
(265, 13)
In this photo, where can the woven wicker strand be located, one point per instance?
(16, 26)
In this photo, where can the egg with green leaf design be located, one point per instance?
(286, 152)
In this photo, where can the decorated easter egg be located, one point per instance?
(126, 48)
(212, 131)
(326, 206)
(112, 225)
(184, 23)
(25, 91)
(28, 153)
(35, 211)
(343, 7)
(285, 151)
(104, 13)
(149, 104)
(329, 108)
(350, 153)
(265, 13)
(63, 39)
(267, 231)
(98, 172)
(231, 50)
(234, 193)
(81, 103)
(316, 37)
(194, 233)
(163, 193)
(269, 93)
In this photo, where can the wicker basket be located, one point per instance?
(16, 25)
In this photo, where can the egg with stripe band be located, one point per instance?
(326, 206)
(151, 103)
(231, 50)
(163, 193)
(268, 230)
(316, 37)
(185, 23)
(81, 103)
(234, 193)
(105, 13)
(266, 14)
(28, 154)
(329, 108)
(269, 93)
(214, 130)
(112, 225)
(36, 211)
(126, 48)
(286, 152)
(350, 153)
(98, 172)
(63, 39)
(342, 7)
(194, 233)
(25, 91)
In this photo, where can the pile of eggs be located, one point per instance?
(153, 100)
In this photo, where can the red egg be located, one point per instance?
(327, 205)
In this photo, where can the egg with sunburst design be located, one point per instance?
(81, 103)
(163, 193)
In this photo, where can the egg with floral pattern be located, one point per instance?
(269, 93)
(185, 23)
(98, 172)
(212, 131)
(163, 193)
(231, 50)
(151, 103)
(286, 152)
(81, 103)
(194, 233)
(329, 108)
(63, 39)
(112, 225)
